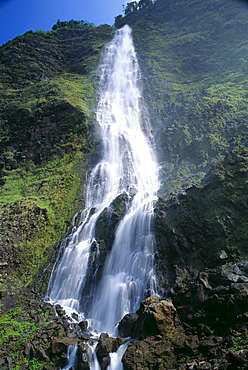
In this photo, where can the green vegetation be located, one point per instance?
(73, 88)
(195, 83)
(35, 364)
(36, 204)
(42, 178)
(71, 24)
(240, 344)
(11, 327)
(193, 60)
(132, 7)
(183, 359)
(46, 132)
(211, 216)
(18, 328)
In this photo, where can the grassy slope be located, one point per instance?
(48, 93)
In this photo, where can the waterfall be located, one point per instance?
(128, 168)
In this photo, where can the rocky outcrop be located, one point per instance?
(201, 325)
(204, 325)
(206, 224)
(218, 297)
(154, 317)
(106, 345)
(154, 327)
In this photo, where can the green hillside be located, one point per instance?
(193, 57)
(48, 83)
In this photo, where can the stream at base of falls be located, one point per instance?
(103, 290)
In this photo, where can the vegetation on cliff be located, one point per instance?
(193, 57)
(46, 130)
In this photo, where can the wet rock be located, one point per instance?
(83, 325)
(60, 311)
(155, 317)
(74, 315)
(58, 347)
(222, 255)
(106, 345)
(83, 357)
(127, 324)
(61, 345)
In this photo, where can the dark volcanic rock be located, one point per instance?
(155, 317)
(197, 226)
(83, 357)
(106, 345)
(150, 353)
(127, 324)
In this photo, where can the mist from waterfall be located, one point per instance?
(128, 167)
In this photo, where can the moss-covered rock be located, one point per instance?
(46, 132)
(109, 219)
(193, 60)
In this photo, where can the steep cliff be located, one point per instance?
(46, 130)
(193, 57)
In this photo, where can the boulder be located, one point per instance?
(58, 346)
(155, 317)
(106, 345)
(127, 324)
(40, 354)
(83, 357)
(83, 325)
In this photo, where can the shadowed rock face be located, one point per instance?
(205, 225)
(204, 324)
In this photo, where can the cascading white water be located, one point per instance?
(127, 167)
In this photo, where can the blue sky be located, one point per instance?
(19, 16)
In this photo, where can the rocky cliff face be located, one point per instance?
(193, 59)
(206, 224)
